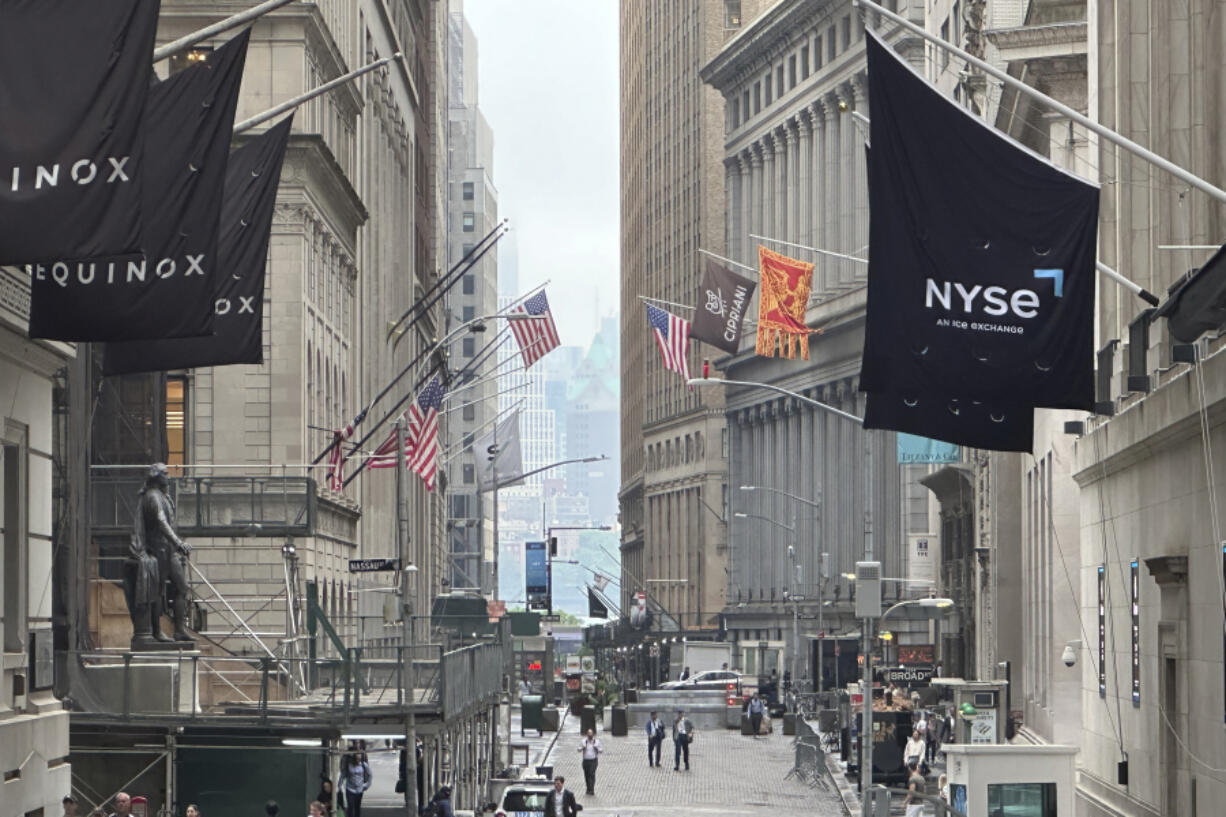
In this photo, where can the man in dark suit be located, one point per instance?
(561, 801)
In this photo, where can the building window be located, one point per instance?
(469, 347)
(735, 114)
(470, 474)
(468, 191)
(832, 43)
(469, 313)
(469, 412)
(804, 62)
(732, 13)
(176, 420)
(470, 284)
(470, 222)
(817, 52)
(847, 32)
(945, 52)
(1022, 799)
(768, 88)
(791, 72)
(745, 106)
(757, 97)
(468, 248)
(779, 82)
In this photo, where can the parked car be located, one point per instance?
(525, 799)
(709, 679)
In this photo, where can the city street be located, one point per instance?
(730, 774)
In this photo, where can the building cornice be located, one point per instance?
(1041, 36)
(770, 35)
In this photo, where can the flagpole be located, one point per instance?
(728, 260)
(290, 104)
(666, 303)
(234, 21)
(810, 249)
(1078, 117)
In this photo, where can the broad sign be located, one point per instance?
(914, 676)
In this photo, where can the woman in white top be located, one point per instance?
(915, 748)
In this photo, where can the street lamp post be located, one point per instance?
(866, 718)
(820, 581)
(791, 558)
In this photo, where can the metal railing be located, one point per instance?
(809, 763)
(471, 676)
(271, 505)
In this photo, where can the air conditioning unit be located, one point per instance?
(868, 589)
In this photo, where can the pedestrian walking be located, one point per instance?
(915, 791)
(356, 778)
(927, 732)
(324, 795)
(70, 806)
(193, 810)
(440, 804)
(756, 710)
(591, 750)
(683, 735)
(685, 673)
(655, 738)
(914, 753)
(561, 801)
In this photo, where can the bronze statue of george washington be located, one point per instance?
(158, 559)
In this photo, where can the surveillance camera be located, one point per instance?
(1069, 657)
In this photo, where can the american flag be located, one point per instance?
(673, 337)
(536, 337)
(336, 458)
(421, 438)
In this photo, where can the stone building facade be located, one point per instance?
(472, 212)
(795, 172)
(33, 722)
(673, 471)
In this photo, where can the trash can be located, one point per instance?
(619, 728)
(550, 718)
(530, 713)
(789, 723)
(587, 719)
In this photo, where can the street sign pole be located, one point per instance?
(406, 622)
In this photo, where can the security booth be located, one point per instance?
(979, 708)
(1012, 779)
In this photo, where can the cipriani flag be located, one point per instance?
(981, 257)
(75, 76)
(168, 292)
(723, 298)
(253, 173)
(672, 335)
(537, 337)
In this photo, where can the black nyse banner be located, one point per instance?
(953, 420)
(168, 292)
(981, 273)
(723, 298)
(75, 78)
(252, 175)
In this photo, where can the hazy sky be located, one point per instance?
(548, 86)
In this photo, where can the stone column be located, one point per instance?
(746, 204)
(756, 206)
(781, 184)
(767, 222)
(732, 230)
(859, 233)
(792, 191)
(804, 179)
(830, 219)
(817, 187)
(847, 200)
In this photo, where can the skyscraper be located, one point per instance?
(672, 179)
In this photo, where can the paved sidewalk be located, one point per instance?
(730, 775)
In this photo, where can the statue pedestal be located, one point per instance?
(146, 681)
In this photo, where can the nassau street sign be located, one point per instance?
(373, 565)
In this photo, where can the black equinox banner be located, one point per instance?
(252, 176)
(981, 274)
(75, 77)
(167, 292)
